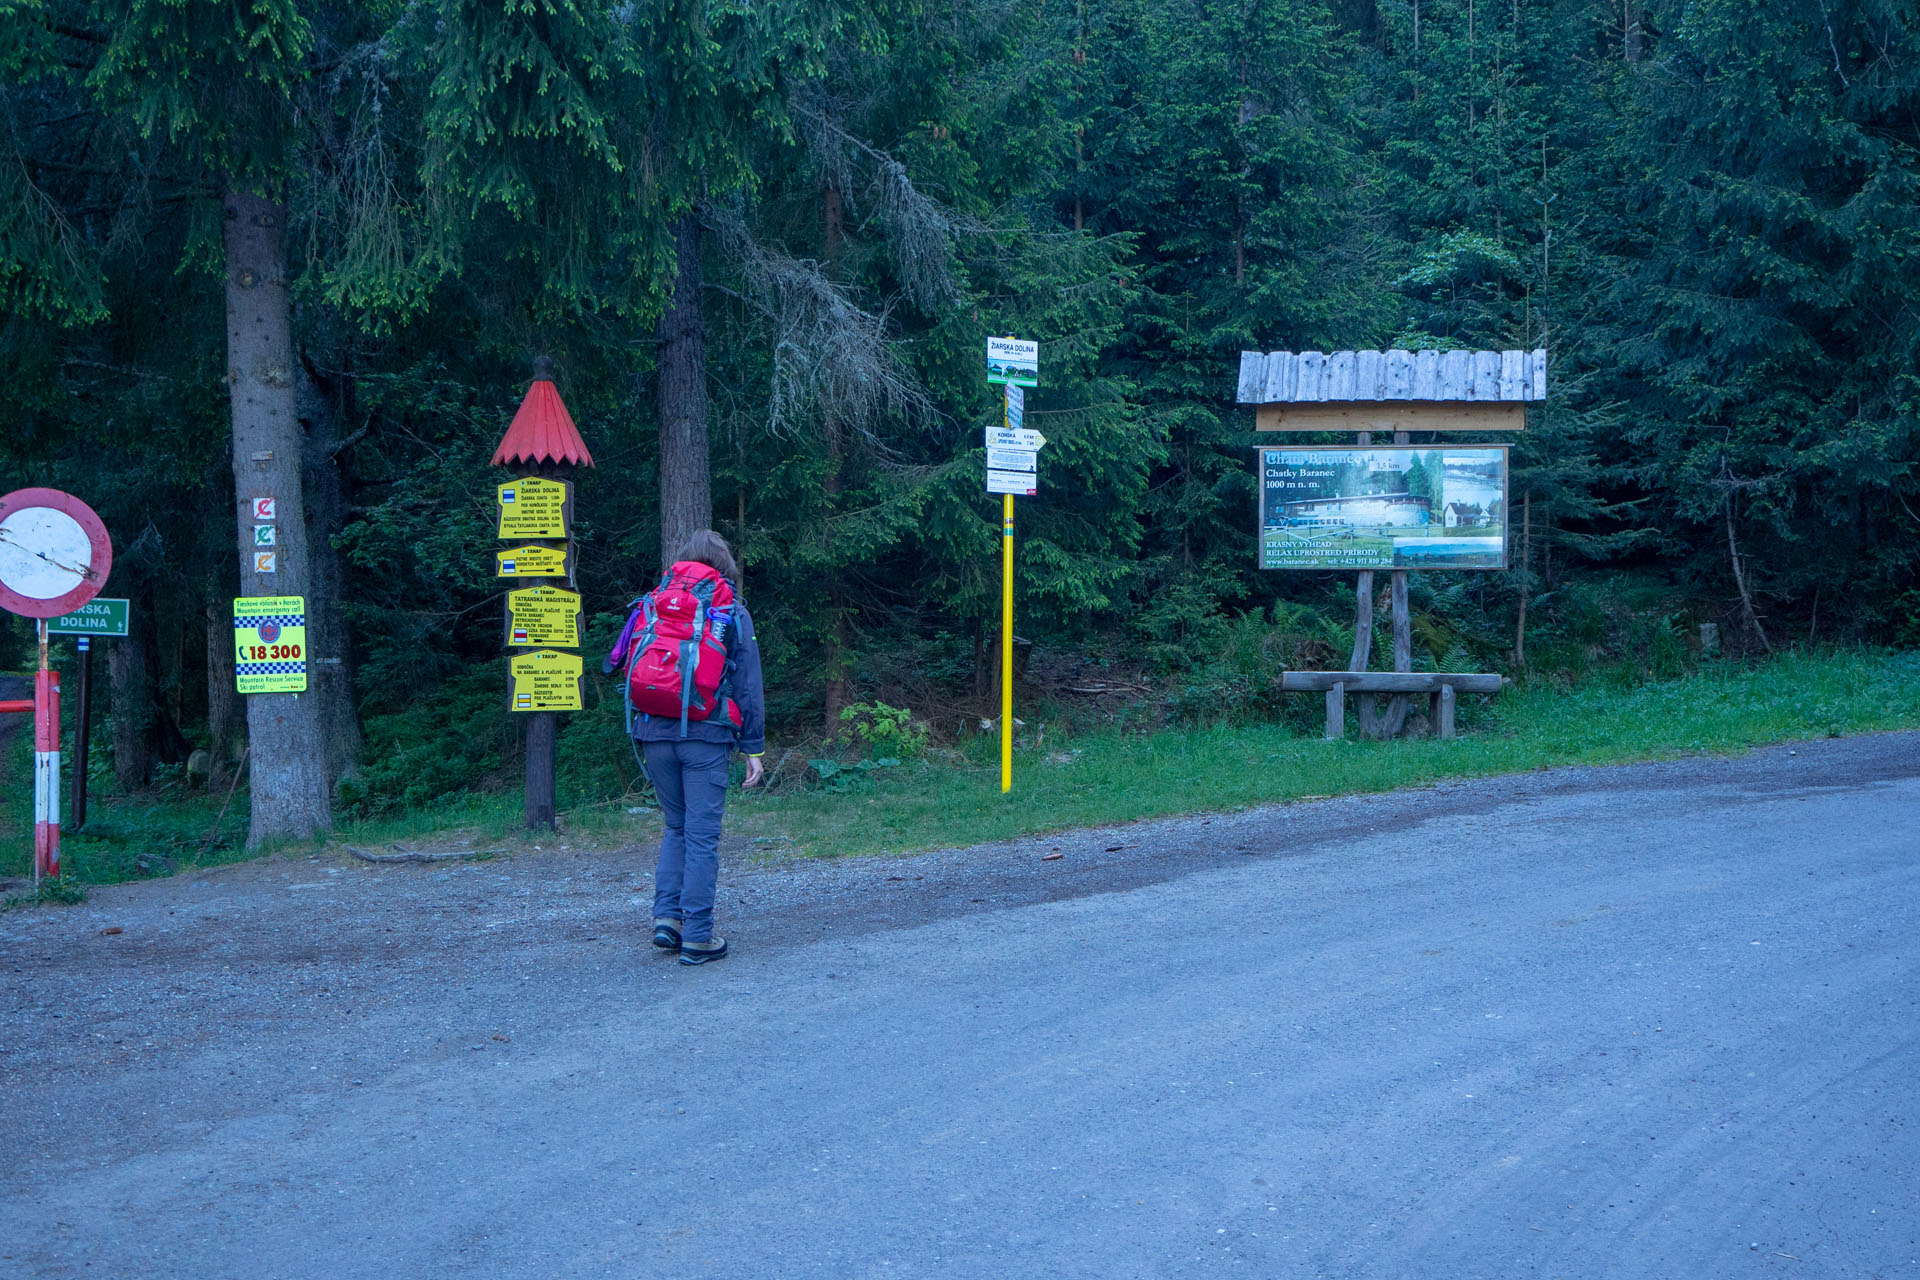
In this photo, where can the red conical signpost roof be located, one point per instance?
(543, 430)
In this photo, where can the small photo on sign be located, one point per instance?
(263, 561)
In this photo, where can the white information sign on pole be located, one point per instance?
(1013, 360)
(1001, 459)
(1016, 404)
(998, 437)
(1020, 483)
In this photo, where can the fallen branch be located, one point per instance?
(417, 855)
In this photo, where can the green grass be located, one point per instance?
(1103, 778)
(1111, 778)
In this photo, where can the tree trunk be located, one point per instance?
(686, 477)
(287, 773)
(1740, 581)
(833, 234)
(1526, 570)
(226, 730)
(132, 710)
(329, 668)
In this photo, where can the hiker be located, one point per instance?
(693, 699)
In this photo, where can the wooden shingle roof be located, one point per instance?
(1287, 377)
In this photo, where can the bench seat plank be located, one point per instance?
(1390, 681)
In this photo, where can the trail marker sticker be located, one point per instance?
(546, 681)
(533, 507)
(270, 644)
(263, 535)
(542, 617)
(263, 509)
(265, 562)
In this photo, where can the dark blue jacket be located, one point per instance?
(743, 678)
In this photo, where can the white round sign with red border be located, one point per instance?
(54, 553)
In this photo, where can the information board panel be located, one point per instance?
(1022, 484)
(1383, 507)
(545, 680)
(270, 644)
(538, 617)
(534, 507)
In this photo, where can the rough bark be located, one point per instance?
(1740, 581)
(132, 688)
(686, 477)
(836, 661)
(1526, 571)
(330, 668)
(287, 772)
(226, 726)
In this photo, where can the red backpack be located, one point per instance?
(679, 665)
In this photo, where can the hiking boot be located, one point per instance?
(666, 934)
(701, 952)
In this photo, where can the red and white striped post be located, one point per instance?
(46, 765)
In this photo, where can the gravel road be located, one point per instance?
(1647, 1021)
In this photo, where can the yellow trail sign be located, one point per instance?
(541, 616)
(533, 562)
(532, 507)
(546, 681)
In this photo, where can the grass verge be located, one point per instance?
(1113, 777)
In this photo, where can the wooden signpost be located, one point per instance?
(1368, 392)
(535, 512)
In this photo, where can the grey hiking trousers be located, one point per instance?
(690, 777)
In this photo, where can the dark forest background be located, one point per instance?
(1708, 212)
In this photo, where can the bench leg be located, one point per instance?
(1336, 712)
(1446, 697)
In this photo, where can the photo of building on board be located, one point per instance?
(1385, 507)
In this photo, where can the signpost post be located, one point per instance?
(1012, 469)
(97, 617)
(543, 612)
(54, 557)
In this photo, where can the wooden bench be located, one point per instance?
(1441, 685)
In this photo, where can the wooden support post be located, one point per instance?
(1336, 713)
(1396, 717)
(81, 734)
(1444, 719)
(542, 732)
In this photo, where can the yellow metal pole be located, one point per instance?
(1006, 646)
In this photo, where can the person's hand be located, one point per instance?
(753, 771)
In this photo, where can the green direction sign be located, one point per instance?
(97, 617)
